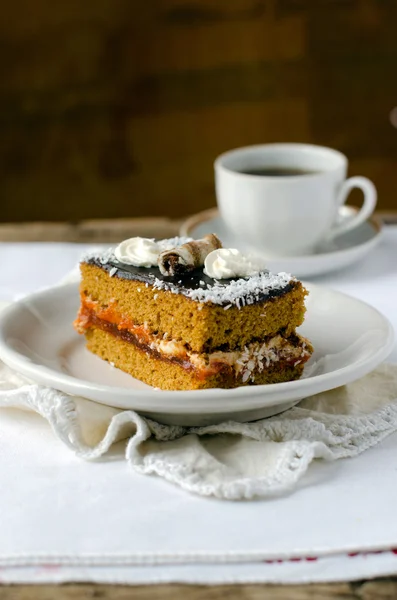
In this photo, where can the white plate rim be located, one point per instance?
(226, 400)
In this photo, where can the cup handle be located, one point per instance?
(368, 207)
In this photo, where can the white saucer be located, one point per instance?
(37, 339)
(342, 252)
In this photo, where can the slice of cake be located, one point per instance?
(181, 314)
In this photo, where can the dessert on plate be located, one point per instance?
(182, 314)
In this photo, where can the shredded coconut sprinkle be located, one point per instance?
(237, 292)
(227, 293)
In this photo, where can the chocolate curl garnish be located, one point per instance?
(187, 257)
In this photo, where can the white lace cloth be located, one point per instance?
(230, 460)
(66, 519)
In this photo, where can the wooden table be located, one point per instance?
(113, 231)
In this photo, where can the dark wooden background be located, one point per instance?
(117, 108)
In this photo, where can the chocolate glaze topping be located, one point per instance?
(196, 285)
(187, 281)
(182, 283)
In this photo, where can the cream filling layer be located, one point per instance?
(252, 359)
(247, 362)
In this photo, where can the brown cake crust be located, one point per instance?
(202, 326)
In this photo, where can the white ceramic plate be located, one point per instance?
(37, 339)
(338, 254)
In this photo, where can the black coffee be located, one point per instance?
(278, 171)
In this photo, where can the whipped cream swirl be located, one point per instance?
(139, 252)
(226, 263)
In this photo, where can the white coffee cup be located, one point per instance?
(285, 215)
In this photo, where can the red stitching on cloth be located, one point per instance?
(314, 558)
(371, 552)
